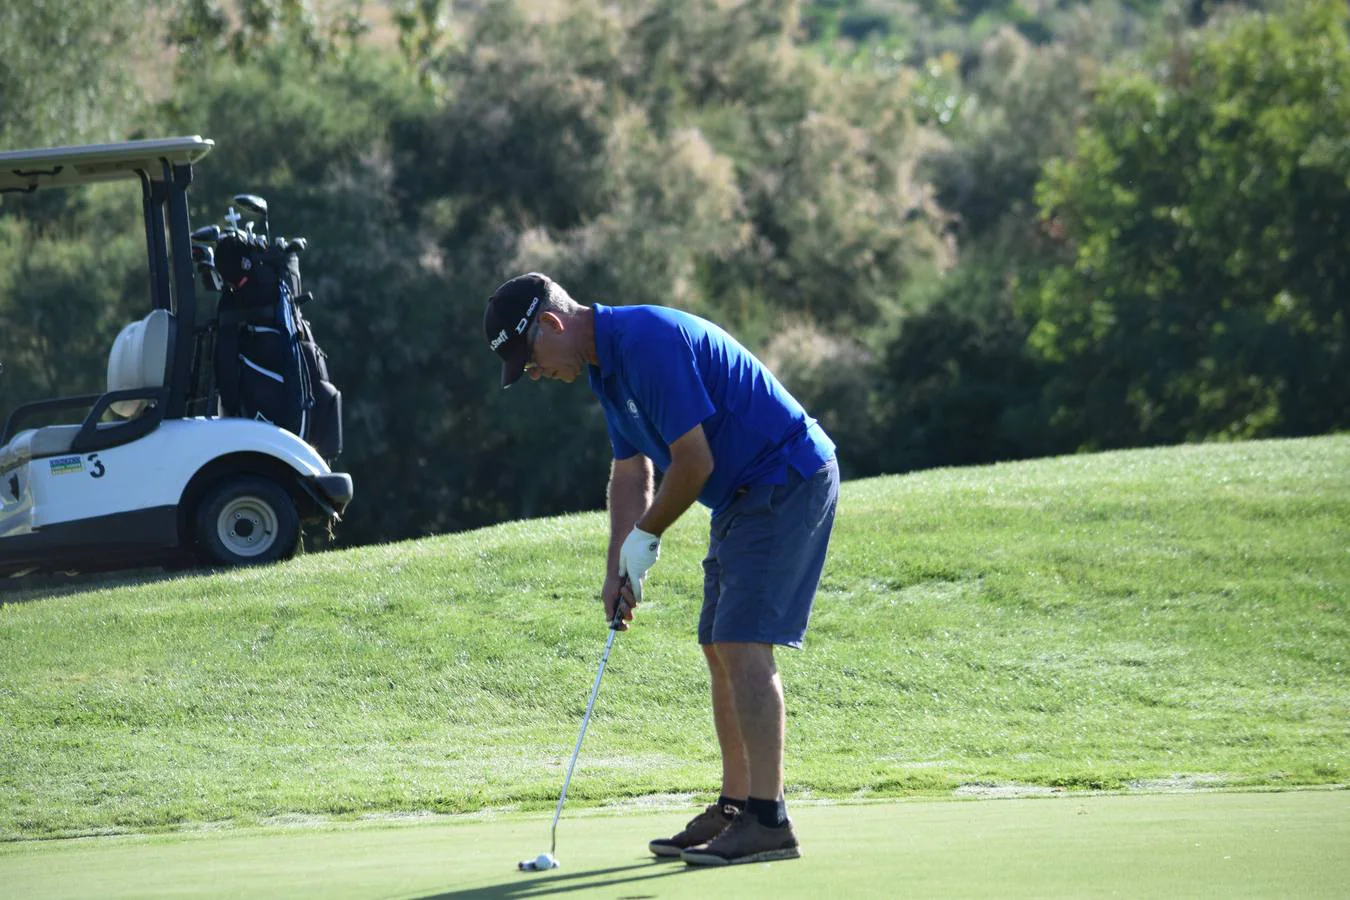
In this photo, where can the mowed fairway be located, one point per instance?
(1159, 845)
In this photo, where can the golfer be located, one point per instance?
(682, 395)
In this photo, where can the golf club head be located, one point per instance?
(201, 253)
(207, 234)
(540, 863)
(253, 203)
(258, 205)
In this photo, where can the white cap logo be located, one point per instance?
(525, 320)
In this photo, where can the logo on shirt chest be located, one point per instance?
(632, 409)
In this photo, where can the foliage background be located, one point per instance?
(960, 233)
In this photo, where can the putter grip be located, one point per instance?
(617, 622)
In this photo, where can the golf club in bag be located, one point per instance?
(267, 364)
(548, 860)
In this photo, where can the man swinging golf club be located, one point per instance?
(679, 392)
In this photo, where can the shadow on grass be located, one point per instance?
(28, 588)
(540, 884)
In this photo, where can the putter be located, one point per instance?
(548, 860)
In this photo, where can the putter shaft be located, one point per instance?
(590, 704)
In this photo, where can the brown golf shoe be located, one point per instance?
(745, 841)
(701, 828)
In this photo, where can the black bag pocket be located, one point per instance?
(268, 388)
(325, 426)
(324, 431)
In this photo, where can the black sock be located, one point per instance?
(724, 801)
(770, 813)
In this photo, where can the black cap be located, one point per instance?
(510, 311)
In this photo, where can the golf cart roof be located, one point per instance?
(25, 171)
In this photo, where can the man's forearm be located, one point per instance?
(680, 487)
(630, 493)
(691, 464)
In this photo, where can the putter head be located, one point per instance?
(539, 864)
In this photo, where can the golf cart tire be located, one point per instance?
(247, 520)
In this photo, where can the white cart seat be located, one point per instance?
(139, 359)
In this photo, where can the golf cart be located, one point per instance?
(152, 473)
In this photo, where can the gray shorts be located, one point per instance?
(765, 555)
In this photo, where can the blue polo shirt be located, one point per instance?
(663, 371)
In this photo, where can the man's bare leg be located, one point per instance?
(762, 832)
(735, 771)
(735, 768)
(760, 716)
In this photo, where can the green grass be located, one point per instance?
(1093, 622)
(1166, 846)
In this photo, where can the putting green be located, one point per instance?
(1158, 845)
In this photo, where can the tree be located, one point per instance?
(1025, 106)
(1205, 209)
(959, 389)
(67, 282)
(66, 70)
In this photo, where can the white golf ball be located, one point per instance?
(544, 861)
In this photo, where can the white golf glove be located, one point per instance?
(639, 552)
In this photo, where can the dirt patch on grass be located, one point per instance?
(295, 820)
(1171, 784)
(649, 802)
(1181, 783)
(989, 791)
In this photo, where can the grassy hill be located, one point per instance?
(1123, 620)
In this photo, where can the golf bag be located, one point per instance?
(267, 363)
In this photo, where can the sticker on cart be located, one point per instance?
(67, 465)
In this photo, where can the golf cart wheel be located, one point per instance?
(247, 520)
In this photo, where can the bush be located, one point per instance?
(833, 377)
